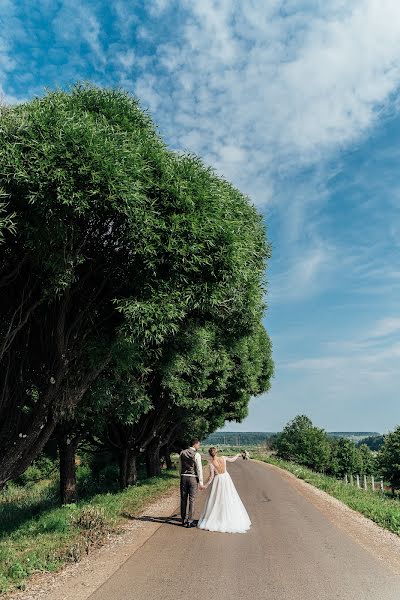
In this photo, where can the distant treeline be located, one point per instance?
(245, 438)
(374, 442)
(236, 438)
(353, 434)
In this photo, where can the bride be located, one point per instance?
(224, 511)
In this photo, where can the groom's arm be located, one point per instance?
(179, 465)
(199, 467)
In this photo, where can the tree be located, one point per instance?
(344, 457)
(373, 442)
(303, 443)
(200, 375)
(117, 242)
(367, 460)
(388, 458)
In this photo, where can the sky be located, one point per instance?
(297, 103)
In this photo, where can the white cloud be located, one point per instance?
(75, 23)
(127, 58)
(385, 327)
(285, 89)
(307, 273)
(261, 91)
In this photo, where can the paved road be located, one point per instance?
(292, 552)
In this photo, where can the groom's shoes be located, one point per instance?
(190, 524)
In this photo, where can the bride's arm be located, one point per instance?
(212, 473)
(232, 458)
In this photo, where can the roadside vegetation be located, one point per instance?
(37, 534)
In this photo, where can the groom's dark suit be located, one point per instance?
(191, 475)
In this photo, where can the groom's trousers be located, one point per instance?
(188, 490)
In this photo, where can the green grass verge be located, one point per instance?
(376, 506)
(37, 535)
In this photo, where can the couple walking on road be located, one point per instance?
(223, 511)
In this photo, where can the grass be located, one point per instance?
(378, 507)
(38, 535)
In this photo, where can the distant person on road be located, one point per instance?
(224, 511)
(191, 471)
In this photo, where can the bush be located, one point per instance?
(388, 458)
(303, 443)
(42, 468)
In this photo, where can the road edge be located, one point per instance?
(380, 542)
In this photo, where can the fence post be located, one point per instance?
(351, 478)
(358, 481)
(372, 482)
(382, 490)
(345, 478)
(365, 482)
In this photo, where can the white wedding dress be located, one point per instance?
(224, 511)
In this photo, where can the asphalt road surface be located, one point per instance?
(292, 552)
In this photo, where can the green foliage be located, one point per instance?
(344, 458)
(139, 274)
(307, 445)
(373, 442)
(7, 219)
(42, 468)
(368, 464)
(300, 441)
(37, 535)
(388, 458)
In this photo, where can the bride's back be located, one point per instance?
(219, 464)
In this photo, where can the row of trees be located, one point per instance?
(302, 442)
(132, 287)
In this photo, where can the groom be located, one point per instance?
(191, 472)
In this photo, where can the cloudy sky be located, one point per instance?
(297, 103)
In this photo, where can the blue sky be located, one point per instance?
(297, 103)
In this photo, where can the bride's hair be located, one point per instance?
(212, 451)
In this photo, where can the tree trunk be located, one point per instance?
(153, 465)
(18, 455)
(127, 468)
(167, 455)
(67, 445)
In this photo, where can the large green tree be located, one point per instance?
(344, 458)
(117, 242)
(302, 442)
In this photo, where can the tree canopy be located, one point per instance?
(389, 458)
(133, 279)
